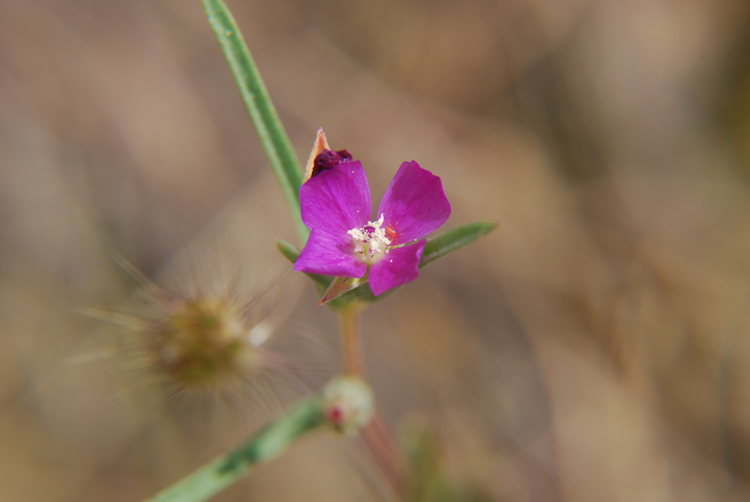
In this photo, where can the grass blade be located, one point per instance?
(270, 130)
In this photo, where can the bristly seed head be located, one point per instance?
(202, 342)
(207, 342)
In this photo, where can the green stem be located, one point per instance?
(270, 130)
(271, 441)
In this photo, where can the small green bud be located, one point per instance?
(349, 404)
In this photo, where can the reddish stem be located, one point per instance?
(351, 345)
(384, 450)
(377, 436)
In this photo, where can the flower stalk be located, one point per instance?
(385, 451)
(350, 340)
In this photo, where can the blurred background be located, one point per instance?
(595, 348)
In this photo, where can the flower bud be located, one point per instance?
(349, 404)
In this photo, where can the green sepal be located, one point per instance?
(340, 286)
(254, 94)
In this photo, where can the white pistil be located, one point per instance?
(370, 239)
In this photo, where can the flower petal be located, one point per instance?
(336, 200)
(330, 254)
(414, 203)
(399, 266)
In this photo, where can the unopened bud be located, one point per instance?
(349, 404)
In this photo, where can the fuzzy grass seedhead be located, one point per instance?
(202, 343)
(206, 343)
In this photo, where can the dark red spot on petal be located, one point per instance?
(328, 159)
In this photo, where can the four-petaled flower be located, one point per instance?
(336, 206)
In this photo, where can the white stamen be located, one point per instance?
(372, 236)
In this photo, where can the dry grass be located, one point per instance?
(595, 348)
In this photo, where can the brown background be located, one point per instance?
(595, 348)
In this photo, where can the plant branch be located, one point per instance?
(268, 443)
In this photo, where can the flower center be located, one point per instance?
(370, 240)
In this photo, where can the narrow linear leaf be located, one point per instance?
(291, 253)
(267, 444)
(270, 130)
(441, 245)
(435, 248)
(287, 249)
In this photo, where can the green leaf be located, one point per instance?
(290, 252)
(265, 445)
(270, 130)
(441, 245)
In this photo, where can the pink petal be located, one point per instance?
(336, 200)
(327, 254)
(399, 266)
(414, 203)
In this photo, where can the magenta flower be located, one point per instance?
(336, 206)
